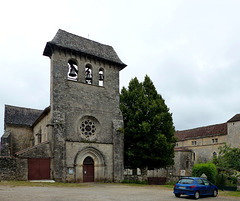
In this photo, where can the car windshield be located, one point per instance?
(185, 181)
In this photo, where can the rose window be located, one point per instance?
(88, 128)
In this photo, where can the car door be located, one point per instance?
(202, 187)
(209, 187)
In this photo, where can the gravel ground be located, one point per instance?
(95, 192)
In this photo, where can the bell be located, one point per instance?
(88, 76)
(73, 72)
(101, 77)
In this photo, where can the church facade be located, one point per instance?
(79, 137)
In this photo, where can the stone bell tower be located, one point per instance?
(86, 121)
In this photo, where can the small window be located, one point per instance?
(101, 77)
(216, 140)
(213, 140)
(214, 154)
(206, 182)
(194, 142)
(193, 156)
(88, 74)
(72, 70)
(200, 181)
(39, 136)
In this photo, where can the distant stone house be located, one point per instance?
(78, 138)
(201, 144)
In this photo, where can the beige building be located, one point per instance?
(201, 144)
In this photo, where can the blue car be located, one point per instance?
(195, 186)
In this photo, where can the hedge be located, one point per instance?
(209, 169)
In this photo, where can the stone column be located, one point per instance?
(118, 150)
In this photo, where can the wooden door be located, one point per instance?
(38, 168)
(88, 170)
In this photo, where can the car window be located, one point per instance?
(206, 182)
(200, 181)
(185, 181)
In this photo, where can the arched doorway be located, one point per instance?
(88, 169)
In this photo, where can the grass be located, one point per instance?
(41, 184)
(229, 193)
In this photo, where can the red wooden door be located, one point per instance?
(38, 168)
(88, 170)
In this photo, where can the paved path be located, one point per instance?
(95, 192)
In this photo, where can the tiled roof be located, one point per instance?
(207, 131)
(31, 148)
(82, 45)
(20, 115)
(235, 118)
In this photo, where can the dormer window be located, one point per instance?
(72, 70)
(88, 74)
(101, 77)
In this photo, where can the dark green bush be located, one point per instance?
(221, 180)
(209, 169)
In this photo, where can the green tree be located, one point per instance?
(228, 159)
(148, 126)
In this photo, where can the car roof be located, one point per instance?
(192, 178)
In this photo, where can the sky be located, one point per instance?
(189, 48)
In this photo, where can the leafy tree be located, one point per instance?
(148, 126)
(228, 159)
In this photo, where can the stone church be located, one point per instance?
(79, 137)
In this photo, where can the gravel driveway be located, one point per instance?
(93, 192)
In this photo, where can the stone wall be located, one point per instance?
(182, 161)
(8, 168)
(20, 137)
(233, 136)
(204, 148)
(41, 129)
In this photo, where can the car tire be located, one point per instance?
(196, 195)
(177, 195)
(215, 193)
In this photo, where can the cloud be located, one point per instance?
(188, 48)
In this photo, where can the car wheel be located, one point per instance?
(215, 193)
(196, 195)
(177, 195)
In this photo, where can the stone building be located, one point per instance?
(78, 138)
(201, 144)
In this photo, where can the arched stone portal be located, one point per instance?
(98, 161)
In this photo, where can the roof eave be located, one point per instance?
(49, 48)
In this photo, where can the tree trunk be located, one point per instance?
(144, 171)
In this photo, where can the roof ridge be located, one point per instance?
(201, 127)
(83, 37)
(13, 106)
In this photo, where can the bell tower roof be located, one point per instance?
(78, 44)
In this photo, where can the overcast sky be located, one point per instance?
(189, 48)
